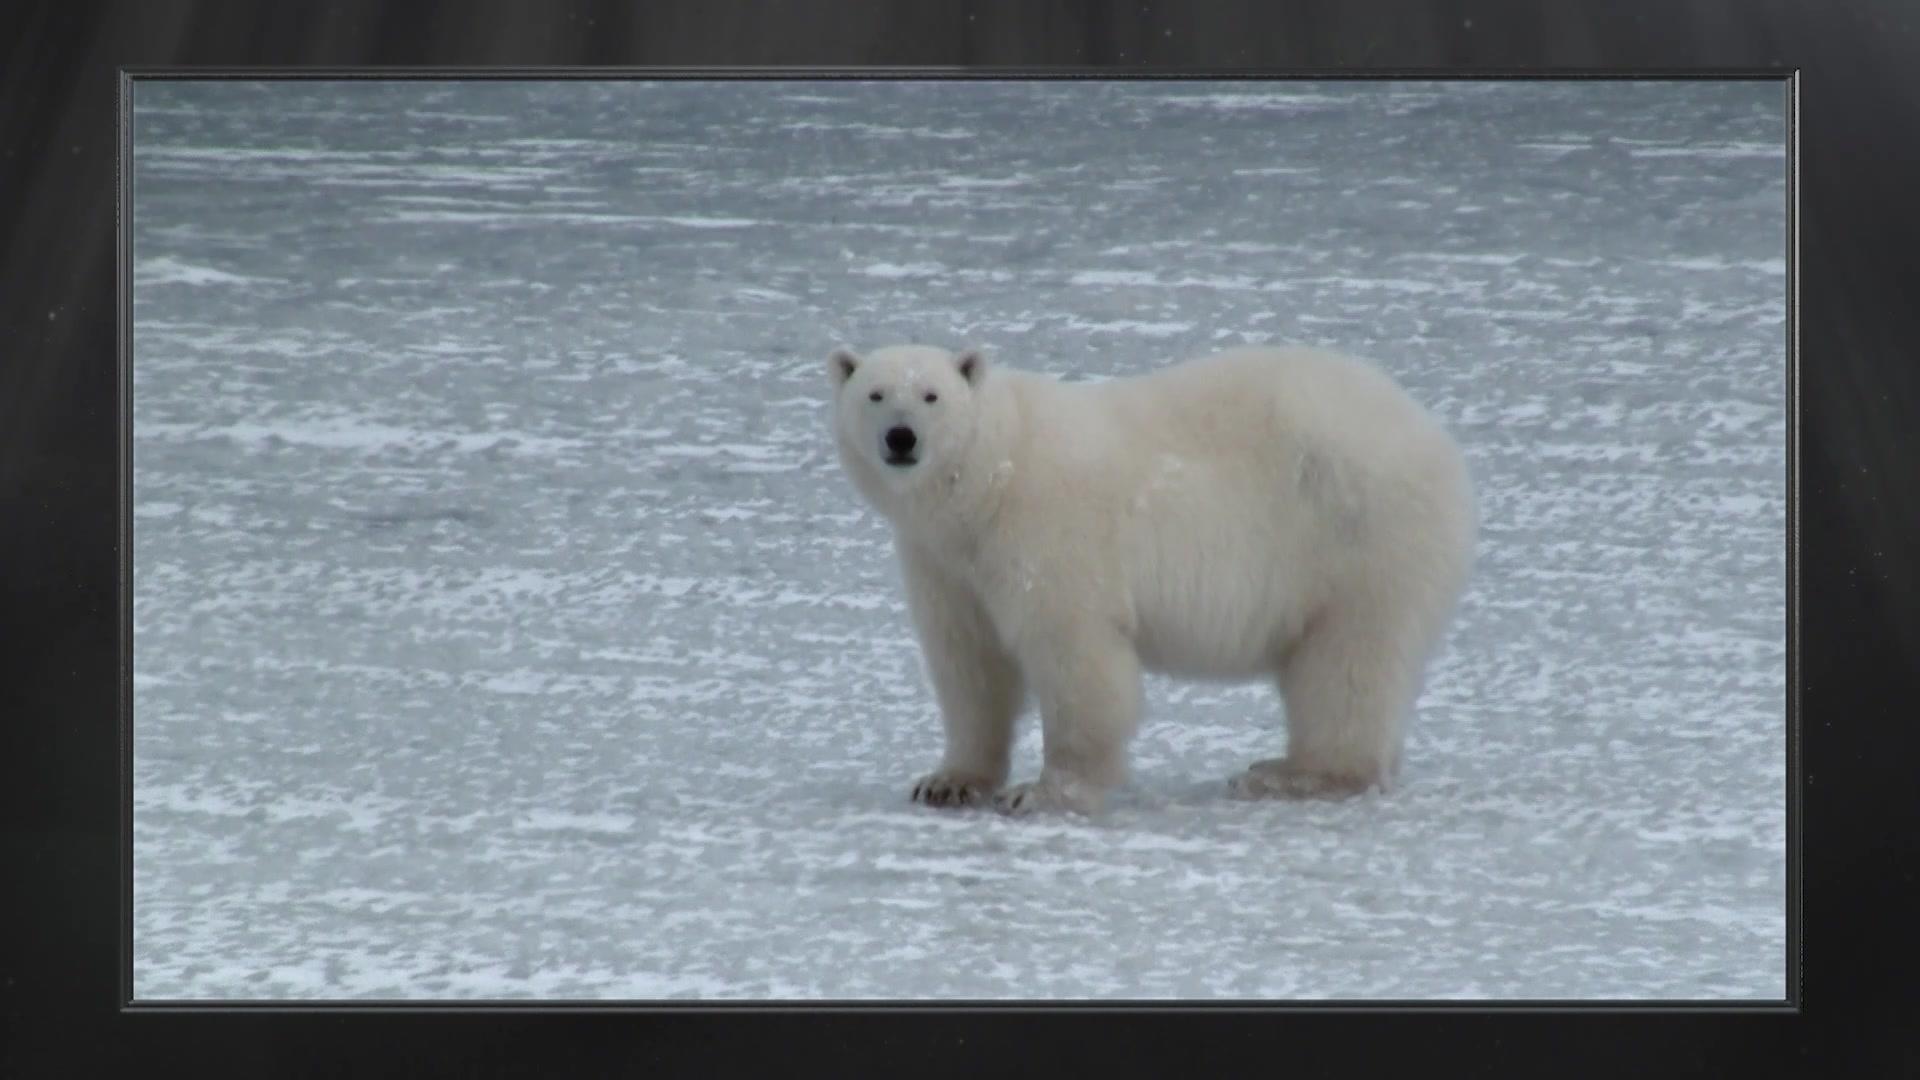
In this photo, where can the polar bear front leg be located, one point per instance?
(1086, 675)
(976, 681)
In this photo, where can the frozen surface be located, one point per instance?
(504, 629)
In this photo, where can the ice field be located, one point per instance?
(504, 628)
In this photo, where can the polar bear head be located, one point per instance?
(904, 414)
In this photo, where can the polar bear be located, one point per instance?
(1283, 513)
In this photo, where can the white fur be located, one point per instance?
(1264, 513)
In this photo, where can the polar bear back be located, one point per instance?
(1229, 499)
(1215, 405)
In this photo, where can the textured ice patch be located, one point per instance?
(1713, 150)
(166, 270)
(1405, 285)
(984, 181)
(346, 432)
(1279, 102)
(1557, 149)
(555, 820)
(1714, 262)
(901, 270)
(1131, 326)
(1469, 259)
(1112, 277)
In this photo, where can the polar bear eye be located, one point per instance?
(875, 396)
(932, 397)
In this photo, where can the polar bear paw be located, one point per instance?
(1279, 778)
(1047, 796)
(951, 789)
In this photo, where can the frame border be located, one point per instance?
(1855, 231)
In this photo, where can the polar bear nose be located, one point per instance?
(901, 440)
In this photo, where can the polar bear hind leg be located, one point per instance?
(1348, 684)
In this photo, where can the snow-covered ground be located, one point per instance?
(504, 629)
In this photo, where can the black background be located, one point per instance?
(1858, 505)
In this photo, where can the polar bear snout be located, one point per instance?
(900, 441)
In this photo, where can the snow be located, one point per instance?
(503, 628)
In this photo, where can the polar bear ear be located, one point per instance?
(841, 364)
(972, 365)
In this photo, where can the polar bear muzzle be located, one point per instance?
(900, 441)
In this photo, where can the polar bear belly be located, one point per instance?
(1218, 585)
